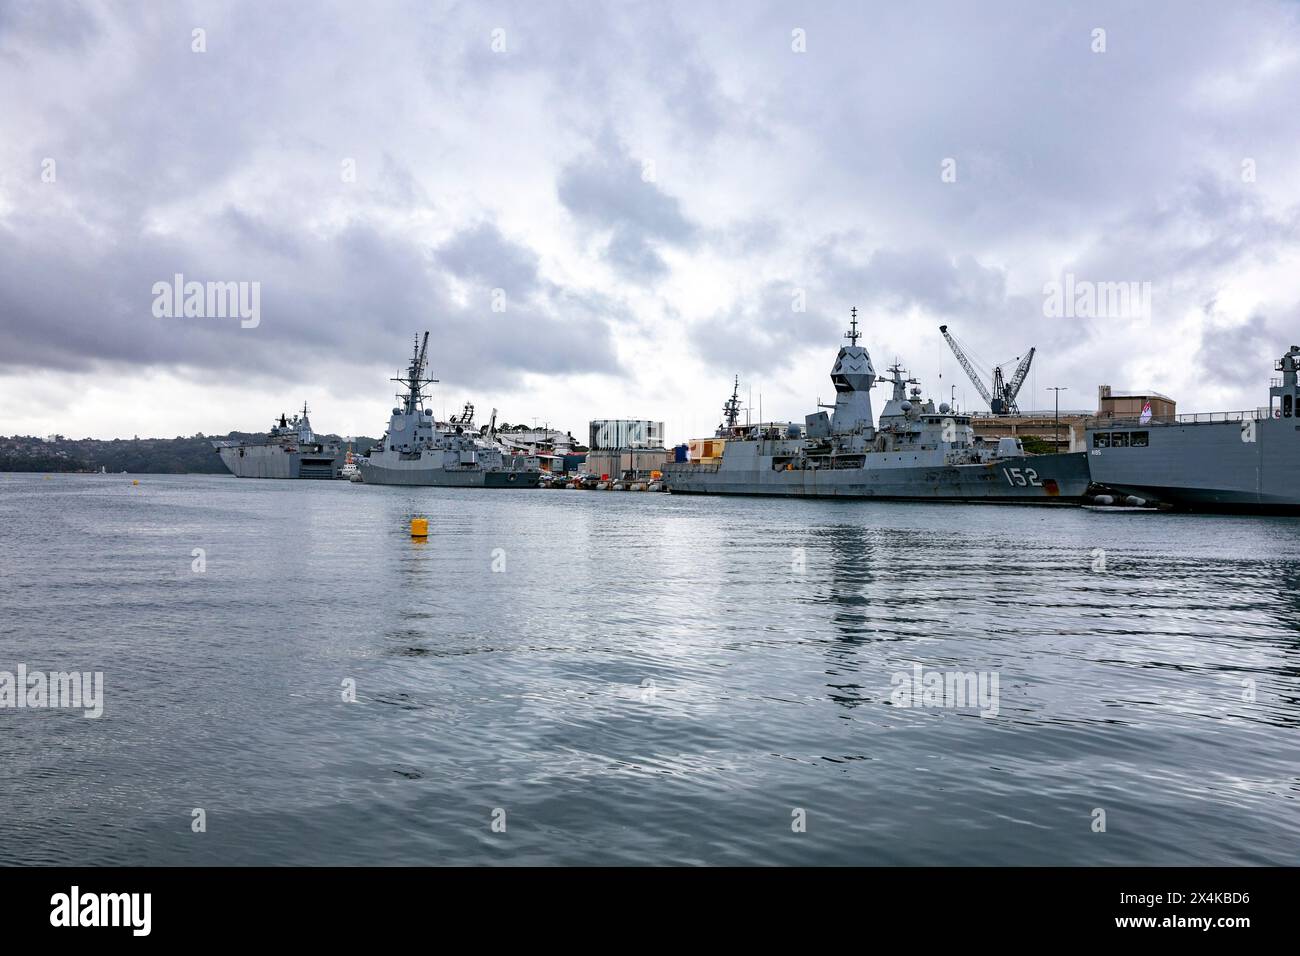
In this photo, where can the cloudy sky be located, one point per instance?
(610, 209)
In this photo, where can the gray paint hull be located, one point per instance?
(441, 477)
(1206, 466)
(1056, 479)
(273, 461)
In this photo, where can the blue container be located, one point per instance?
(682, 453)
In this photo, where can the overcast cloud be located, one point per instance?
(610, 209)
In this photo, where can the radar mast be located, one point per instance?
(731, 408)
(414, 381)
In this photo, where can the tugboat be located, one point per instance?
(918, 451)
(350, 471)
(1212, 461)
(416, 450)
(290, 450)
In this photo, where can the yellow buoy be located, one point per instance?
(419, 527)
(134, 481)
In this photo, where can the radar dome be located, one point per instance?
(944, 408)
(906, 406)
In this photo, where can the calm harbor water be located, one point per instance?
(642, 679)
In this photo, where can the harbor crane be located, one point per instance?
(1002, 397)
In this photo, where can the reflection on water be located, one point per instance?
(644, 679)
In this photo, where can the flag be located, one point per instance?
(1146, 412)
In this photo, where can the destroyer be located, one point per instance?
(917, 452)
(290, 450)
(416, 450)
(1220, 461)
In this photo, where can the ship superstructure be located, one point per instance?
(290, 450)
(918, 450)
(1216, 461)
(416, 450)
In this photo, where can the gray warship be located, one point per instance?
(1221, 461)
(290, 450)
(918, 451)
(416, 450)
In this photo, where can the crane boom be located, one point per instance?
(1002, 397)
(965, 363)
(424, 348)
(1018, 379)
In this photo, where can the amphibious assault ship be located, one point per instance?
(1220, 461)
(290, 450)
(416, 450)
(918, 451)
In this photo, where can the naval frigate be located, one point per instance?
(917, 451)
(416, 450)
(290, 450)
(1218, 461)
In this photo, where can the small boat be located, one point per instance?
(350, 471)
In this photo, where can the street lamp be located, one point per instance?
(1056, 426)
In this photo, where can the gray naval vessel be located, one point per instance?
(1222, 461)
(918, 451)
(416, 450)
(290, 450)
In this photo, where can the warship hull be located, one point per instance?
(290, 450)
(372, 474)
(417, 451)
(1229, 466)
(1036, 479)
(277, 461)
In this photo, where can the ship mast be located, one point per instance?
(853, 377)
(731, 408)
(414, 381)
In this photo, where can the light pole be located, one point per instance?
(1056, 426)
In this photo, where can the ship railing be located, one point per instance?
(1192, 418)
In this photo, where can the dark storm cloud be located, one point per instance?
(482, 254)
(250, 230)
(353, 295)
(1205, 227)
(633, 256)
(763, 332)
(610, 192)
(1122, 165)
(901, 279)
(137, 162)
(1242, 355)
(65, 23)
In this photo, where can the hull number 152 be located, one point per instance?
(1020, 477)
